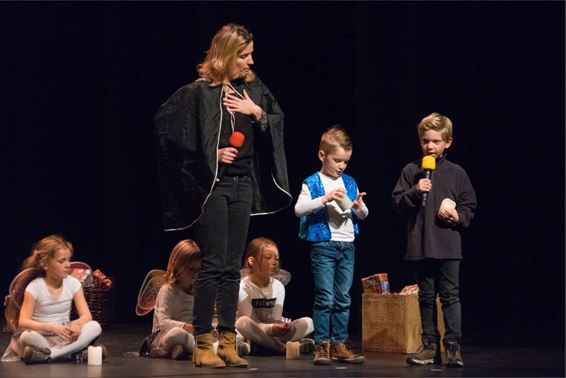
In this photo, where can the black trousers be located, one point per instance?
(440, 277)
(221, 233)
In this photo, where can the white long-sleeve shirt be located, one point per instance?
(340, 221)
(173, 308)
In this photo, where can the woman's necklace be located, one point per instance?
(227, 88)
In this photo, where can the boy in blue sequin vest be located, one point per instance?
(330, 206)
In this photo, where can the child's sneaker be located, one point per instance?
(322, 354)
(306, 346)
(36, 355)
(453, 356)
(243, 347)
(178, 353)
(426, 355)
(82, 356)
(342, 352)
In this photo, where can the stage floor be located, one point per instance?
(122, 342)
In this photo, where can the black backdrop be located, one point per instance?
(81, 82)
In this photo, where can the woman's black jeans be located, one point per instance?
(221, 233)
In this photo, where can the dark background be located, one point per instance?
(82, 81)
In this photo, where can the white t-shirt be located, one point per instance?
(339, 221)
(261, 304)
(50, 309)
(173, 308)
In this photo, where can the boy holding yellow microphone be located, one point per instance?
(438, 200)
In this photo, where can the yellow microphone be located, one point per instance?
(428, 164)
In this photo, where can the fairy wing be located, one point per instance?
(244, 272)
(19, 284)
(82, 271)
(283, 275)
(148, 291)
(80, 265)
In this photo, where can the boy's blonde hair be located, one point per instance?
(225, 47)
(437, 122)
(41, 252)
(334, 137)
(255, 249)
(183, 254)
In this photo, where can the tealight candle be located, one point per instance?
(94, 355)
(292, 351)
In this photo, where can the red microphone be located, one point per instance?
(236, 140)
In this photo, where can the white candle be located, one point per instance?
(94, 355)
(292, 350)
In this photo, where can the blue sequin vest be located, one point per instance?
(314, 226)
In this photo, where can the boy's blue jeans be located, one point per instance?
(332, 265)
(442, 277)
(221, 233)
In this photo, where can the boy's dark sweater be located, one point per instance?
(427, 235)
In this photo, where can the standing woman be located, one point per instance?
(221, 159)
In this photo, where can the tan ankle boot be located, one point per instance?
(203, 354)
(227, 350)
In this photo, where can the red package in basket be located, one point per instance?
(376, 283)
(101, 278)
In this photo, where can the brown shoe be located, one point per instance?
(454, 356)
(428, 354)
(322, 353)
(203, 354)
(227, 350)
(342, 352)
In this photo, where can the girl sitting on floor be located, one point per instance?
(173, 312)
(43, 330)
(260, 306)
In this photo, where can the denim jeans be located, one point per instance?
(332, 265)
(221, 233)
(442, 277)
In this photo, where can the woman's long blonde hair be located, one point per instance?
(225, 47)
(41, 252)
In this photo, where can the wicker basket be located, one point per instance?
(392, 323)
(100, 303)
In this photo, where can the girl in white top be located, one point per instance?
(42, 327)
(260, 306)
(173, 311)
